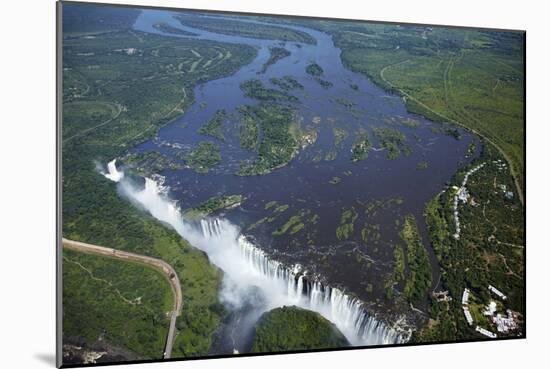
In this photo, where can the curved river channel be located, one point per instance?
(344, 280)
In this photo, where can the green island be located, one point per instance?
(315, 70)
(295, 223)
(286, 83)
(277, 145)
(214, 127)
(276, 209)
(332, 154)
(213, 205)
(347, 103)
(291, 328)
(256, 90)
(361, 147)
(166, 28)
(419, 276)
(392, 140)
(234, 27)
(248, 128)
(275, 54)
(149, 163)
(202, 157)
(324, 83)
(340, 135)
(154, 77)
(347, 220)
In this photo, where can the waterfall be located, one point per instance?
(248, 270)
(346, 312)
(113, 174)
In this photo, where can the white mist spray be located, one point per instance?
(113, 174)
(247, 268)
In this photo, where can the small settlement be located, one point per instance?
(504, 323)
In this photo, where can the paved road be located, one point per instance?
(158, 264)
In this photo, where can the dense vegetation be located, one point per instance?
(347, 219)
(340, 135)
(155, 76)
(315, 70)
(419, 274)
(361, 147)
(277, 145)
(214, 127)
(490, 249)
(294, 224)
(256, 90)
(393, 140)
(293, 328)
(248, 128)
(286, 83)
(275, 54)
(148, 163)
(228, 26)
(203, 157)
(112, 300)
(213, 205)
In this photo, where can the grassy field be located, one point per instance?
(119, 88)
(113, 299)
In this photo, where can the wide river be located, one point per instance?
(390, 189)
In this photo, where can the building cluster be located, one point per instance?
(505, 323)
(462, 195)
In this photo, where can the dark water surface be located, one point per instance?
(356, 265)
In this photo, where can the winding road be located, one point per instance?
(162, 266)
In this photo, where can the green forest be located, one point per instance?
(291, 328)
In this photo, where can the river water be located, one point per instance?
(355, 267)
